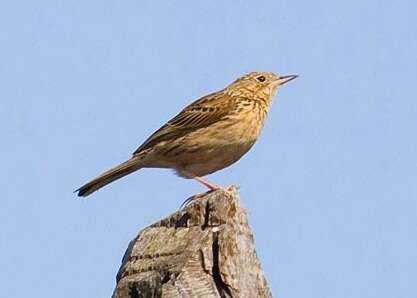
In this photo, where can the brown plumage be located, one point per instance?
(208, 135)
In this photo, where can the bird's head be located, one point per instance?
(259, 84)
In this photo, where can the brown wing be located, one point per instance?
(201, 113)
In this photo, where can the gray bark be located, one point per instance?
(203, 250)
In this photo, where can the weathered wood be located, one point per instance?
(204, 250)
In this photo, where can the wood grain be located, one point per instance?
(204, 250)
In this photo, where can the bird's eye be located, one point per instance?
(261, 79)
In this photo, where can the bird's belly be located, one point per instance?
(212, 158)
(209, 152)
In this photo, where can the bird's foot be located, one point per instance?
(193, 198)
(229, 190)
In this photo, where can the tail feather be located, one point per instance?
(111, 175)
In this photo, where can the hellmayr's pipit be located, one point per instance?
(208, 135)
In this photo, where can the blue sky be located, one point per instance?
(330, 187)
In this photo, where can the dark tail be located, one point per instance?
(111, 175)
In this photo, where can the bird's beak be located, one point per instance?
(285, 79)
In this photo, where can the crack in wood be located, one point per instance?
(221, 286)
(136, 258)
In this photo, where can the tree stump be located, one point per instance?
(204, 250)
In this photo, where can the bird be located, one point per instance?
(208, 135)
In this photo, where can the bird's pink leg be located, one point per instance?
(203, 181)
(206, 183)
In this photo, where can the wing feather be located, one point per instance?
(201, 113)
